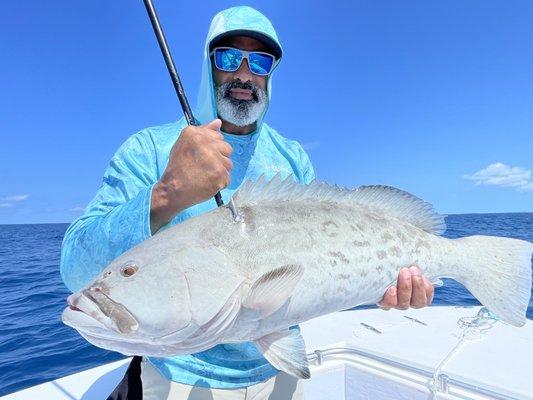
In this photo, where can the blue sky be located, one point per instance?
(432, 97)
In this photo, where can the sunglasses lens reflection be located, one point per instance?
(229, 60)
(260, 64)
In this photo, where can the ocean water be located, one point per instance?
(36, 347)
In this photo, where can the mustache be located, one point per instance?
(238, 84)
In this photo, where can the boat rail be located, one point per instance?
(442, 383)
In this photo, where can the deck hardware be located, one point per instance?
(370, 327)
(443, 383)
(415, 320)
(319, 357)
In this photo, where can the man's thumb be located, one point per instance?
(215, 124)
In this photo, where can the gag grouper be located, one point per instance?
(291, 253)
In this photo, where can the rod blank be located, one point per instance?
(173, 72)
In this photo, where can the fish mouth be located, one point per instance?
(95, 304)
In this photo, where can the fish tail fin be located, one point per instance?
(500, 277)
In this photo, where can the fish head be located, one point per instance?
(168, 295)
(133, 299)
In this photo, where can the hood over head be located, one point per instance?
(243, 21)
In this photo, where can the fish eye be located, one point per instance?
(129, 269)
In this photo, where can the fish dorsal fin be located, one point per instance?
(386, 199)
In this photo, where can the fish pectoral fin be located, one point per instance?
(285, 350)
(271, 290)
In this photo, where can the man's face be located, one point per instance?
(241, 95)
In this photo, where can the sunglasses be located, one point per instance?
(229, 59)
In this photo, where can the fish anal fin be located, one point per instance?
(285, 350)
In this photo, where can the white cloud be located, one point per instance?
(499, 174)
(76, 209)
(15, 198)
(8, 201)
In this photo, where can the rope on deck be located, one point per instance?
(472, 329)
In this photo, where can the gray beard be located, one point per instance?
(240, 112)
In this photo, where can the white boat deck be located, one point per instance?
(399, 362)
(403, 359)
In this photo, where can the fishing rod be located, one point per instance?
(173, 73)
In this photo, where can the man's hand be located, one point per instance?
(199, 166)
(412, 290)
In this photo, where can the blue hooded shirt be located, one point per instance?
(118, 217)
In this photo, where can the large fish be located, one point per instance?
(288, 254)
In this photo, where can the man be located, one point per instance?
(166, 174)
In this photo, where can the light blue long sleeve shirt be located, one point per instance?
(118, 217)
